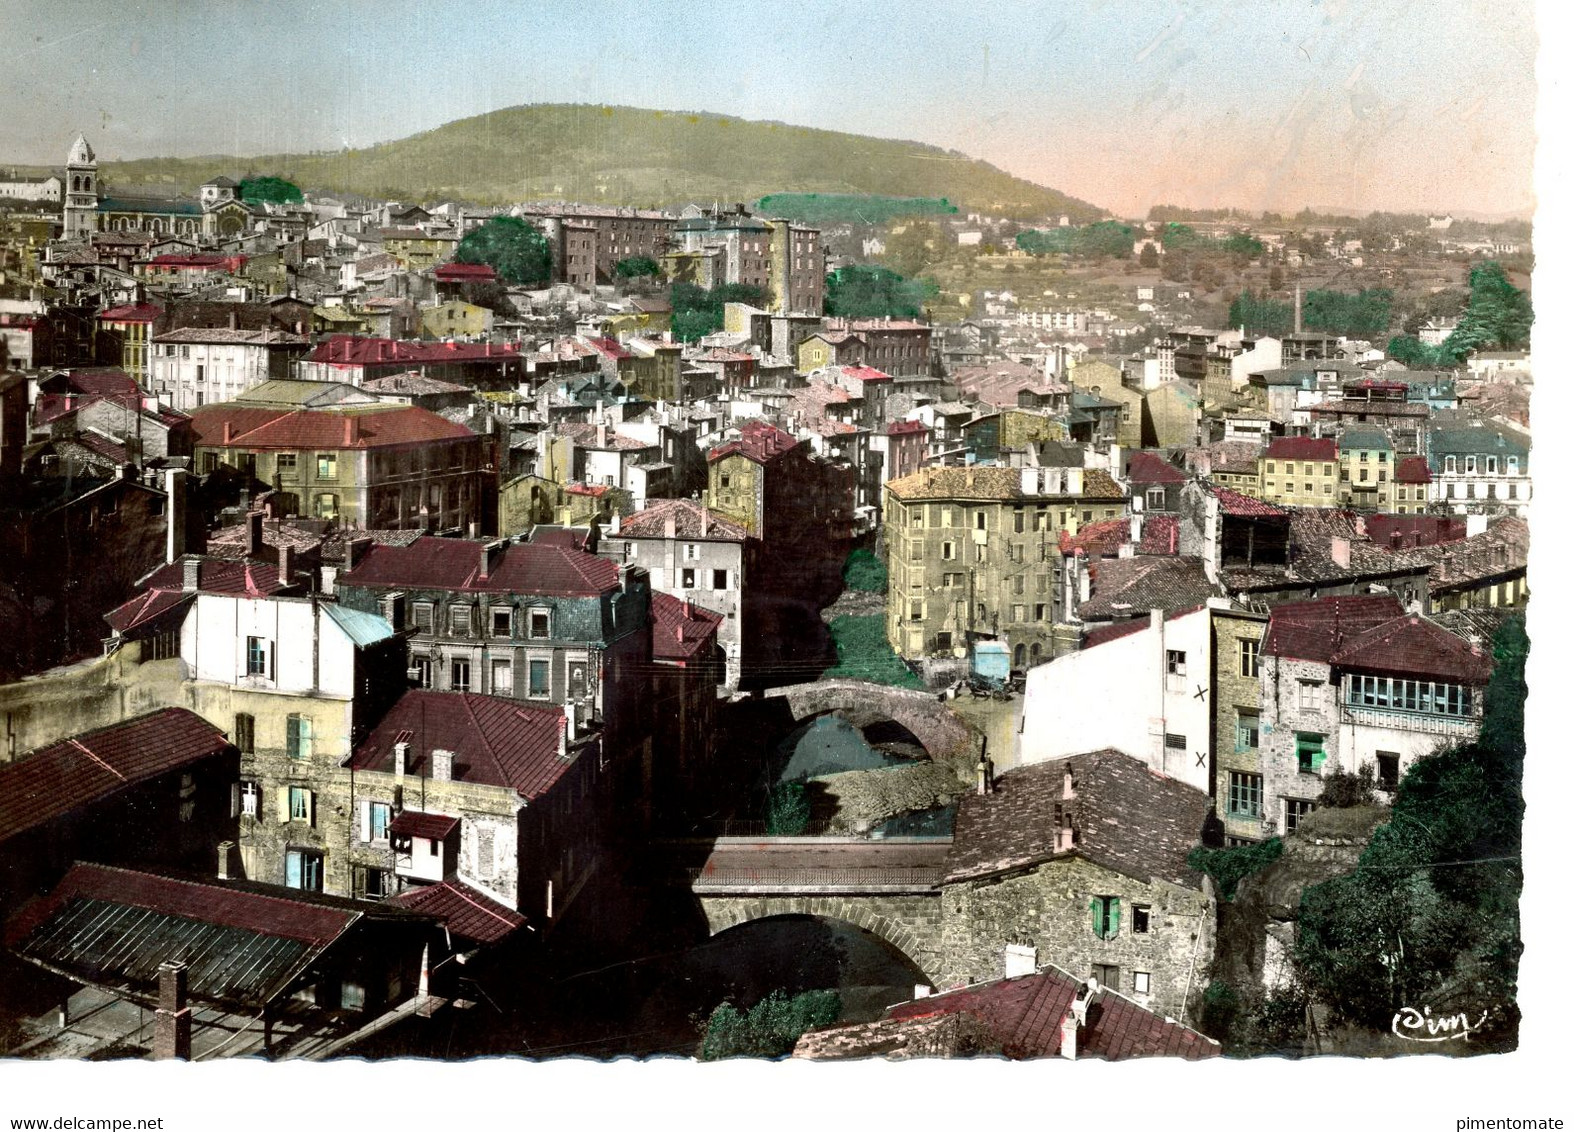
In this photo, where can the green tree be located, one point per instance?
(1149, 256)
(787, 810)
(697, 312)
(636, 266)
(1498, 317)
(1261, 315)
(513, 248)
(268, 190)
(858, 291)
(919, 246)
(771, 1028)
(865, 572)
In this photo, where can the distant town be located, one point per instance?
(816, 626)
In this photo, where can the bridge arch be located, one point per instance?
(943, 733)
(898, 921)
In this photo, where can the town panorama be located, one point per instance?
(824, 626)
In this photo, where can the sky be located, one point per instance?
(1362, 104)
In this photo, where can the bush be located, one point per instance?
(1342, 790)
(1228, 867)
(787, 810)
(771, 1028)
(863, 653)
(1220, 1008)
(863, 571)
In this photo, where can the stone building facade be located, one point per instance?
(1237, 725)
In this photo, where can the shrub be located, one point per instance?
(864, 571)
(1342, 790)
(1228, 867)
(863, 653)
(787, 810)
(771, 1028)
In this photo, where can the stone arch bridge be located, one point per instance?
(944, 734)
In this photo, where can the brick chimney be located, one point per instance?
(229, 432)
(286, 563)
(355, 550)
(172, 1022)
(349, 431)
(191, 575)
(226, 848)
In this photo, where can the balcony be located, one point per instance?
(1431, 723)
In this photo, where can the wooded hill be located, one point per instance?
(619, 155)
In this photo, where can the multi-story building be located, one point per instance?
(692, 555)
(417, 249)
(387, 466)
(1300, 471)
(1479, 468)
(1081, 862)
(133, 325)
(1352, 682)
(196, 366)
(527, 621)
(1412, 485)
(975, 552)
(589, 241)
(1366, 469)
(899, 347)
(1235, 693)
(797, 269)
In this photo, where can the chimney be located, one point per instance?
(172, 1022)
(1340, 548)
(349, 431)
(234, 318)
(253, 534)
(442, 765)
(225, 849)
(601, 433)
(355, 550)
(490, 553)
(1021, 959)
(669, 529)
(401, 758)
(190, 578)
(286, 563)
(704, 520)
(229, 432)
(1068, 1036)
(1156, 620)
(1297, 308)
(986, 775)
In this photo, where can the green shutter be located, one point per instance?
(1114, 917)
(1098, 920)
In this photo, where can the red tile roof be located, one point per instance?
(470, 914)
(307, 428)
(1147, 468)
(1244, 506)
(1160, 535)
(496, 741)
(760, 442)
(464, 272)
(99, 381)
(211, 903)
(689, 520)
(198, 259)
(455, 564)
(681, 630)
(866, 374)
(609, 347)
(900, 428)
(1414, 647)
(1302, 448)
(1113, 632)
(1024, 1016)
(1413, 530)
(1412, 469)
(76, 772)
(135, 312)
(432, 827)
(352, 350)
(1315, 630)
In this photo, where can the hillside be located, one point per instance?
(618, 155)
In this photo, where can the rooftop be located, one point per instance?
(1316, 630)
(456, 564)
(690, 520)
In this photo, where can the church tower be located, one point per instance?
(81, 191)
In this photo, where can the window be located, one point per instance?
(1450, 465)
(459, 676)
(421, 616)
(298, 736)
(502, 622)
(421, 671)
(1175, 662)
(948, 551)
(303, 870)
(327, 505)
(257, 657)
(1470, 465)
(1270, 467)
(1245, 795)
(250, 799)
(1140, 917)
(540, 678)
(1309, 752)
(687, 581)
(943, 642)
(370, 884)
(540, 624)
(300, 803)
(327, 465)
(245, 733)
(1388, 770)
(1141, 982)
(1041, 612)
(1251, 651)
(1513, 465)
(458, 620)
(691, 551)
(1107, 975)
(1308, 695)
(1246, 730)
(284, 464)
(1328, 469)
(1106, 916)
(502, 676)
(1294, 810)
(718, 579)
(378, 815)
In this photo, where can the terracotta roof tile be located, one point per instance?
(1148, 468)
(469, 913)
(370, 427)
(1301, 448)
(1414, 647)
(1126, 586)
(759, 442)
(681, 630)
(690, 520)
(455, 564)
(1315, 630)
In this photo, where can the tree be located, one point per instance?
(1149, 256)
(787, 810)
(697, 312)
(1499, 315)
(857, 291)
(513, 248)
(636, 266)
(491, 295)
(771, 1028)
(1275, 278)
(918, 246)
(268, 190)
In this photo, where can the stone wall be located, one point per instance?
(1282, 718)
(944, 734)
(1049, 909)
(909, 923)
(1234, 693)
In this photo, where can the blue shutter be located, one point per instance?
(292, 870)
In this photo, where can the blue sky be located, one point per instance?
(1262, 104)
